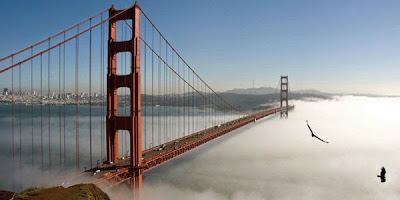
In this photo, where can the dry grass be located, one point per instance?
(75, 192)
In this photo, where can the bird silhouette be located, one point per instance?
(383, 175)
(313, 135)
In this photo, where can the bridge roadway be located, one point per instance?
(113, 174)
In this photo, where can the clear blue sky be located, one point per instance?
(335, 46)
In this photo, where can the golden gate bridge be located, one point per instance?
(148, 108)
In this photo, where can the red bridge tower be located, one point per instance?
(284, 95)
(115, 122)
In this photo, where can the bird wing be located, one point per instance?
(313, 135)
(320, 139)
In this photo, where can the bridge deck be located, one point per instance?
(113, 174)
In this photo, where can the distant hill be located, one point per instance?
(264, 97)
(312, 91)
(264, 101)
(303, 93)
(256, 91)
(270, 90)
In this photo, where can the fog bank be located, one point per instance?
(277, 158)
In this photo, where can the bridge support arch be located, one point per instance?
(284, 95)
(131, 123)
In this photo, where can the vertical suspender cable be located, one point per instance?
(182, 131)
(165, 129)
(64, 98)
(12, 120)
(204, 105)
(171, 90)
(104, 90)
(172, 99)
(20, 124)
(211, 109)
(166, 108)
(189, 100)
(41, 110)
(101, 88)
(32, 107)
(190, 80)
(207, 105)
(169, 136)
(193, 97)
(170, 114)
(48, 104)
(152, 91)
(77, 99)
(90, 93)
(215, 110)
(168, 100)
(59, 104)
(184, 102)
(197, 105)
(145, 89)
(179, 104)
(159, 95)
(189, 89)
(172, 81)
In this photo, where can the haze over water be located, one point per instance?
(273, 158)
(277, 158)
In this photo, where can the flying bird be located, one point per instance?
(313, 135)
(383, 175)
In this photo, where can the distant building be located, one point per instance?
(6, 91)
(68, 95)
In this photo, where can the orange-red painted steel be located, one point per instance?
(132, 81)
(136, 133)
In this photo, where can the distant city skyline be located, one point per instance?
(332, 46)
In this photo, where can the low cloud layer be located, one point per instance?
(277, 158)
